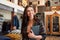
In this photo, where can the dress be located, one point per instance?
(37, 29)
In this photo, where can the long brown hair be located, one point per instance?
(25, 18)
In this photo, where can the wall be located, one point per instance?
(55, 2)
(6, 14)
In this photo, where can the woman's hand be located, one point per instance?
(38, 37)
(32, 35)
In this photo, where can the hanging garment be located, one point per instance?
(16, 22)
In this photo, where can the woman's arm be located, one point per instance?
(30, 24)
(30, 32)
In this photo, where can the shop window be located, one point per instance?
(30, 3)
(20, 2)
(11, 1)
(56, 24)
(59, 0)
(47, 4)
(24, 2)
(38, 2)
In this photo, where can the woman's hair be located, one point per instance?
(25, 18)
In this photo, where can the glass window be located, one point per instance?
(55, 24)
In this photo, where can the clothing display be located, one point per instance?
(16, 22)
(6, 27)
(14, 36)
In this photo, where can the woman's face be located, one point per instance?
(30, 11)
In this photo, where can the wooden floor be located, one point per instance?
(52, 38)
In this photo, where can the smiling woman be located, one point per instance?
(27, 24)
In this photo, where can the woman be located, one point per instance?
(27, 24)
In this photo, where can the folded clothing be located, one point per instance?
(14, 36)
(15, 32)
(4, 38)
